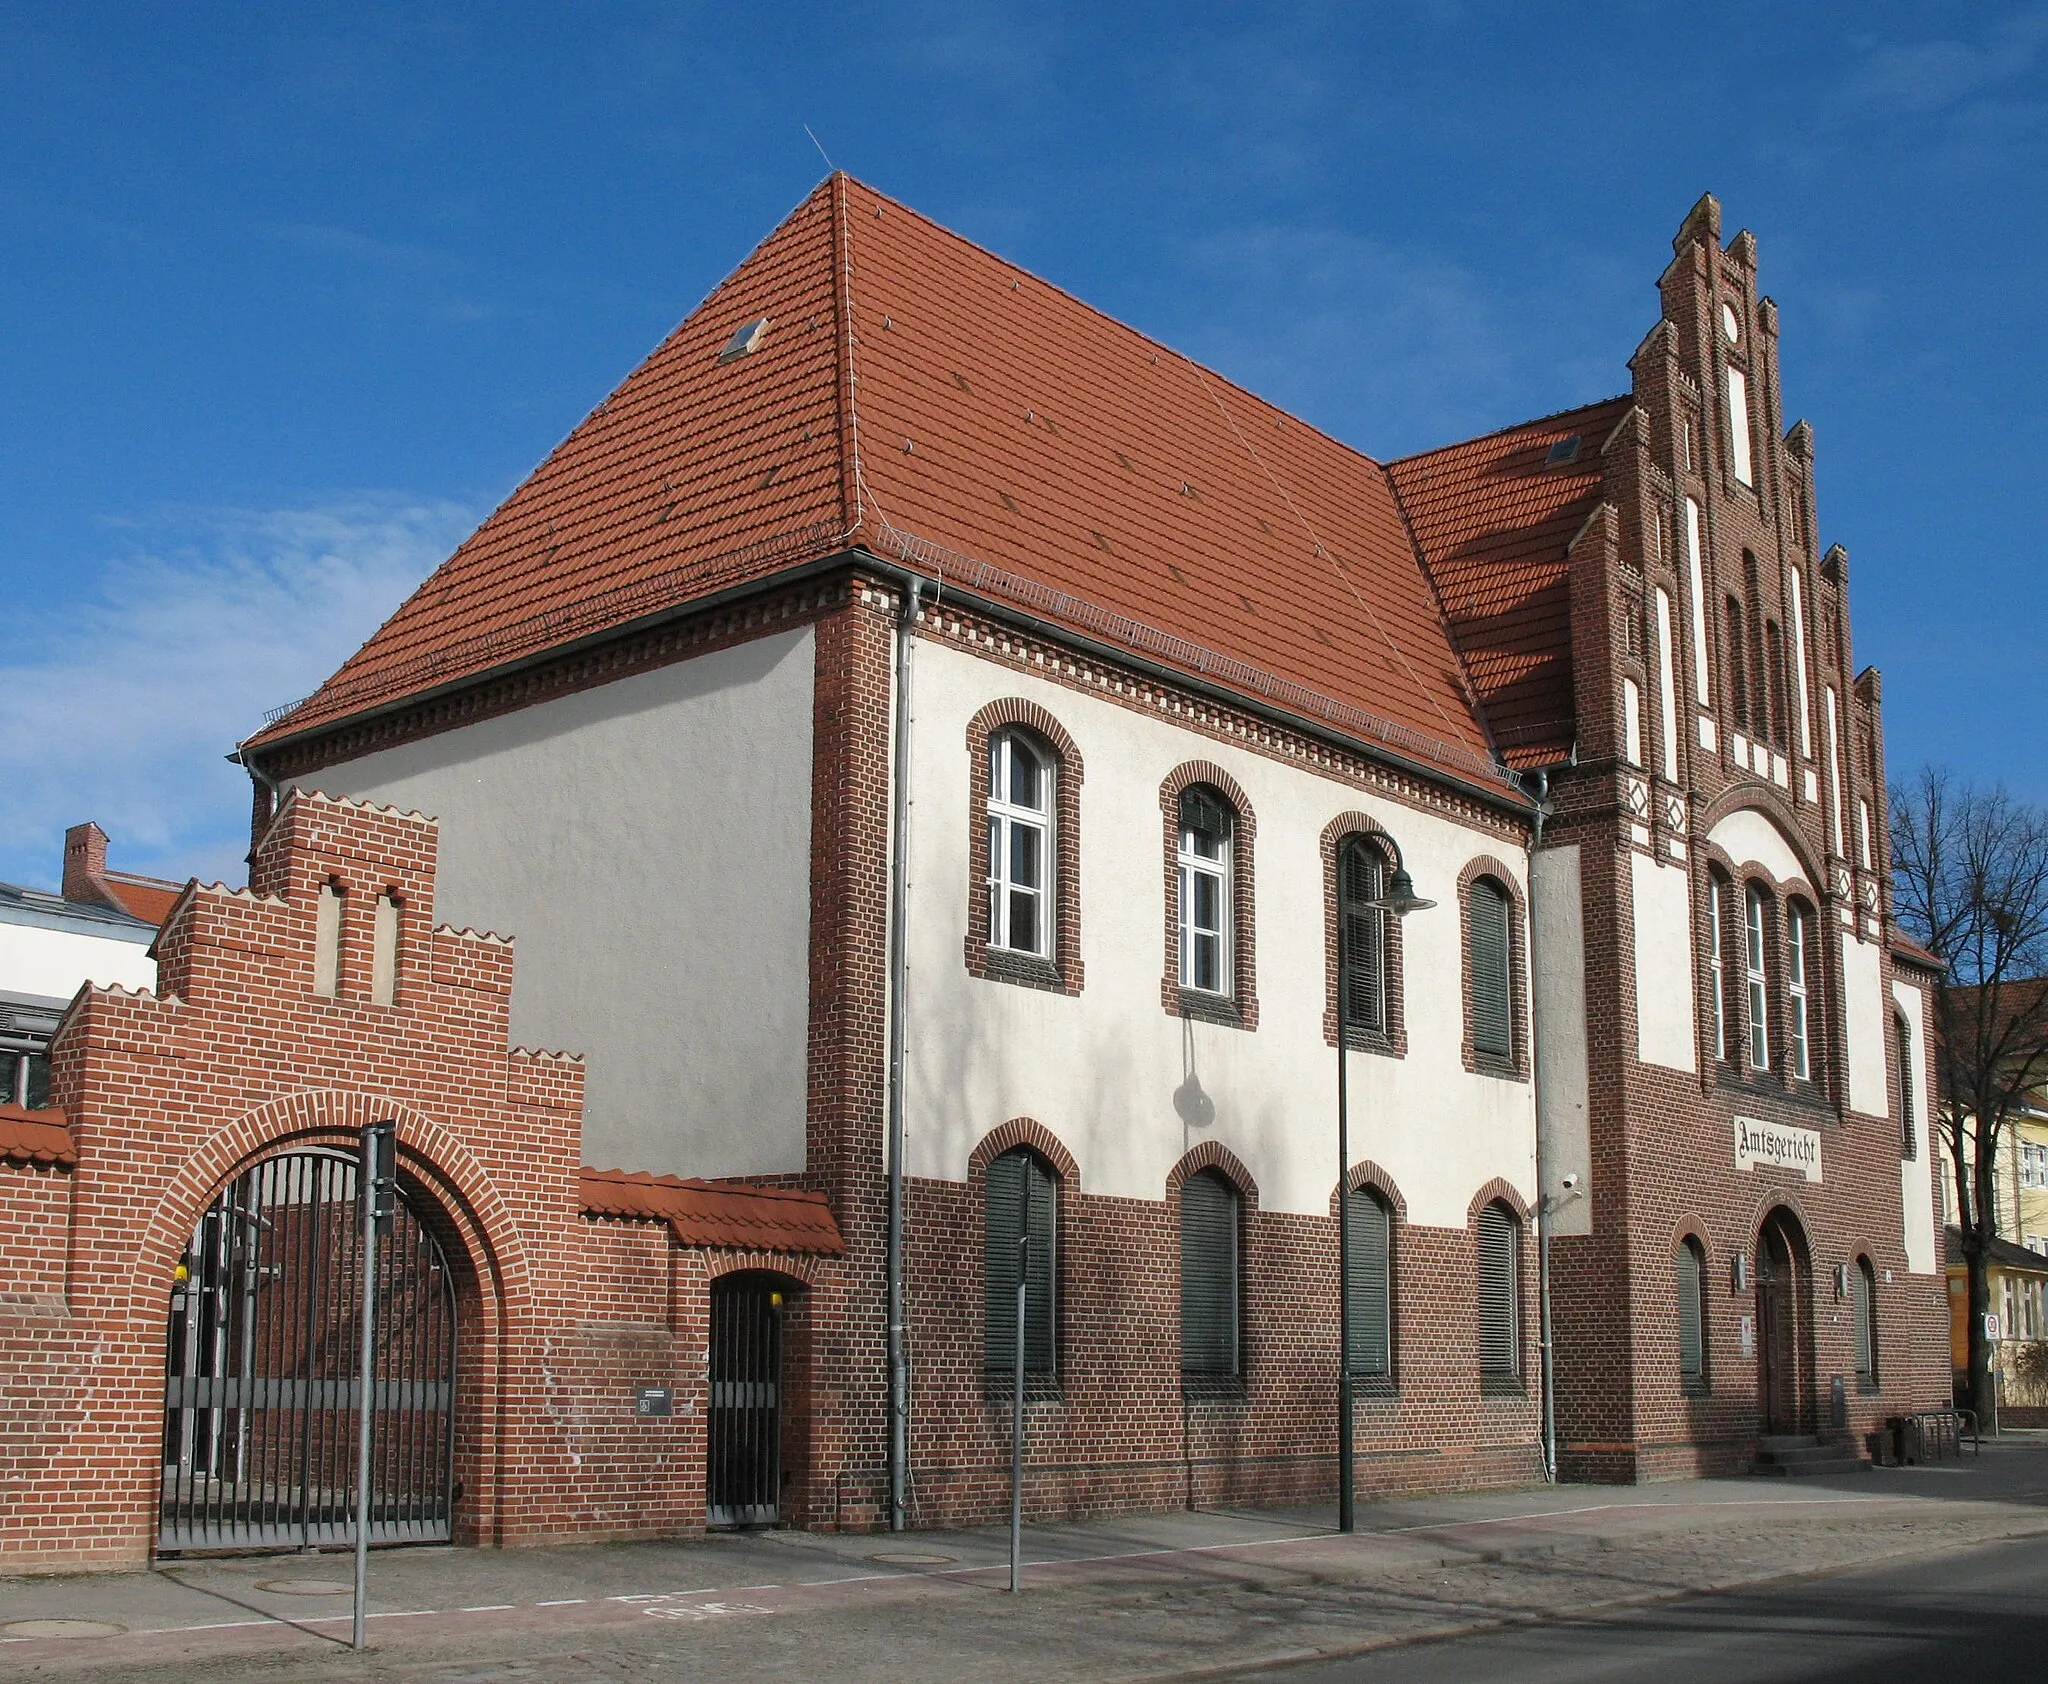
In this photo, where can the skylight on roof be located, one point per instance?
(1565, 450)
(746, 337)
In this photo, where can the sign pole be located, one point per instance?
(376, 1180)
(1346, 1504)
(1017, 1396)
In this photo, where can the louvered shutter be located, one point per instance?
(1499, 1346)
(1692, 1348)
(1018, 1180)
(1208, 1275)
(1864, 1287)
(1369, 1348)
(1492, 1008)
(1359, 882)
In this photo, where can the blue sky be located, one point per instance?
(293, 295)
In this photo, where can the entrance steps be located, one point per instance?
(1802, 1455)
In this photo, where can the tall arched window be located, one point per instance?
(1369, 1347)
(1798, 966)
(1020, 851)
(1738, 665)
(1210, 1223)
(1206, 827)
(1500, 1294)
(1361, 878)
(1023, 1204)
(1692, 1316)
(1753, 923)
(1717, 958)
(1863, 1288)
(1489, 958)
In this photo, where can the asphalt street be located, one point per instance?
(1975, 1614)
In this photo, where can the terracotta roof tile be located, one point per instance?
(35, 1137)
(713, 1213)
(147, 898)
(1492, 522)
(996, 417)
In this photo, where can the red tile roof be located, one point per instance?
(1493, 522)
(915, 394)
(147, 898)
(712, 1213)
(35, 1137)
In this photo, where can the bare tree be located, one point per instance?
(1970, 884)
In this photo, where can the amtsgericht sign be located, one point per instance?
(1776, 1147)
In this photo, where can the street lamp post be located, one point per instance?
(1400, 899)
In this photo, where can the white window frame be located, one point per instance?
(1716, 962)
(1007, 817)
(1797, 940)
(1754, 976)
(1738, 428)
(1194, 865)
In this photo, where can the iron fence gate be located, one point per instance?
(261, 1371)
(744, 1462)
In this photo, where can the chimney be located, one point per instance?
(85, 864)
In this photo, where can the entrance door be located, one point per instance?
(261, 1366)
(744, 1464)
(1780, 1313)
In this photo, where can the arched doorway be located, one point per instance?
(262, 1360)
(1784, 1325)
(753, 1316)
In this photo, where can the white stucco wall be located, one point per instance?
(1559, 989)
(1916, 1174)
(1664, 967)
(1101, 1070)
(648, 844)
(55, 963)
(1864, 1024)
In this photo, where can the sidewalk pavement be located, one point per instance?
(1138, 1597)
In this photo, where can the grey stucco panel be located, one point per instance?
(648, 844)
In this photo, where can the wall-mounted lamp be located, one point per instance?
(1841, 1282)
(1738, 1272)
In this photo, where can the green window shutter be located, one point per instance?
(1369, 1349)
(1692, 1344)
(1500, 1346)
(1864, 1288)
(1359, 880)
(1208, 1275)
(1492, 997)
(1017, 1181)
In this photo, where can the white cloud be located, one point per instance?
(119, 705)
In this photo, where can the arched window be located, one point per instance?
(1798, 966)
(1020, 845)
(1361, 879)
(1717, 960)
(1692, 1316)
(1863, 1289)
(1023, 1204)
(1774, 671)
(1753, 973)
(1210, 1223)
(1500, 1295)
(1489, 958)
(1369, 1348)
(1206, 827)
(1909, 1097)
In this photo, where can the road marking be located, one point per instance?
(487, 1607)
(564, 1602)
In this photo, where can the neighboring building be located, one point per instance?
(2017, 1279)
(98, 930)
(914, 698)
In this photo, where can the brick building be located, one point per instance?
(917, 723)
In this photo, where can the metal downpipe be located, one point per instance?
(899, 971)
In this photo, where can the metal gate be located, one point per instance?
(744, 1462)
(261, 1393)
